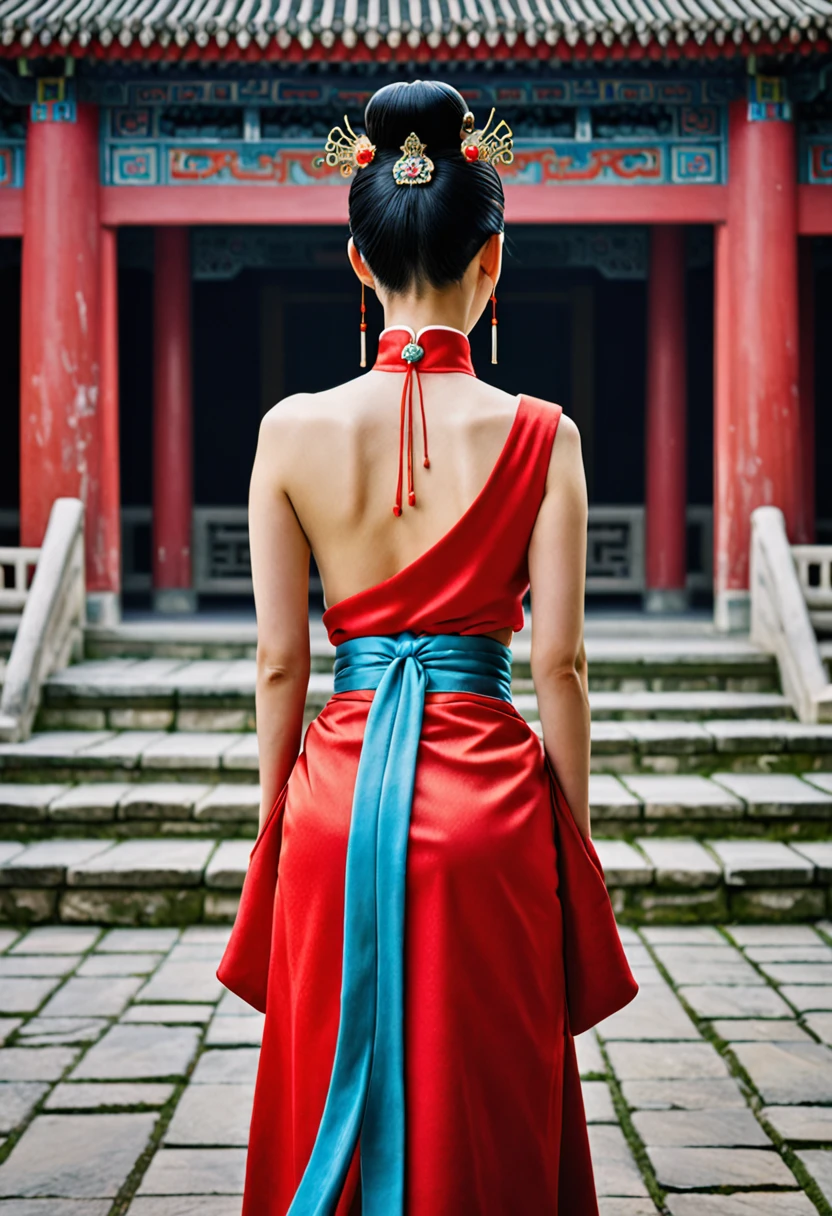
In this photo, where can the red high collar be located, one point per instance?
(445, 350)
(436, 348)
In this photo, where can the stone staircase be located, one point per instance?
(135, 801)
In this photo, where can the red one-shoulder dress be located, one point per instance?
(494, 1120)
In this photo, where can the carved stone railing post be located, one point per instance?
(780, 621)
(50, 633)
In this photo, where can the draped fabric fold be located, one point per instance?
(366, 1090)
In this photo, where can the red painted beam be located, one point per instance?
(327, 204)
(814, 210)
(11, 212)
(616, 204)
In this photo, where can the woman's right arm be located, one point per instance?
(280, 572)
(557, 572)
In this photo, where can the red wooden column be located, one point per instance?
(59, 363)
(110, 505)
(172, 423)
(666, 420)
(757, 423)
(806, 305)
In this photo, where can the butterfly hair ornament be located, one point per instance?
(494, 147)
(346, 151)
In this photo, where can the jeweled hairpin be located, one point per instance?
(413, 168)
(347, 151)
(494, 147)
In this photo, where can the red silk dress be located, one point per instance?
(494, 1116)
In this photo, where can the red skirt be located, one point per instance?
(494, 1116)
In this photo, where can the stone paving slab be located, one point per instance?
(212, 1115)
(800, 1124)
(698, 1168)
(616, 1172)
(759, 1030)
(807, 998)
(719, 1128)
(17, 1100)
(788, 1073)
(75, 1156)
(44, 1032)
(121, 941)
(758, 1203)
(56, 939)
(194, 1171)
(128, 1053)
(88, 1095)
(25, 995)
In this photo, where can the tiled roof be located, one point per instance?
(410, 23)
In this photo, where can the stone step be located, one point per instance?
(740, 804)
(632, 654)
(638, 746)
(164, 694)
(176, 881)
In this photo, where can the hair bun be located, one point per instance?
(431, 108)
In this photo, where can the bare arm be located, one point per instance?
(280, 571)
(557, 569)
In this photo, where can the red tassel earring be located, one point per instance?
(363, 329)
(493, 328)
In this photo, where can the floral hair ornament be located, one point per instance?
(413, 168)
(494, 147)
(347, 151)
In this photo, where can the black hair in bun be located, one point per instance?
(410, 235)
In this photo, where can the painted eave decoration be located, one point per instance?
(407, 29)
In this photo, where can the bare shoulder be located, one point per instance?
(566, 466)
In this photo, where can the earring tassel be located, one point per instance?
(363, 345)
(493, 328)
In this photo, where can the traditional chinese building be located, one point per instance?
(168, 249)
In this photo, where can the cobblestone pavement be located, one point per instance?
(126, 1075)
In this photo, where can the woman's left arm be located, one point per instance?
(280, 572)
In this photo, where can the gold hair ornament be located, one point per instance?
(413, 168)
(494, 147)
(349, 151)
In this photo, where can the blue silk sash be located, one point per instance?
(366, 1089)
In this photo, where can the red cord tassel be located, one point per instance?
(406, 422)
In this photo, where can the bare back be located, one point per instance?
(337, 458)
